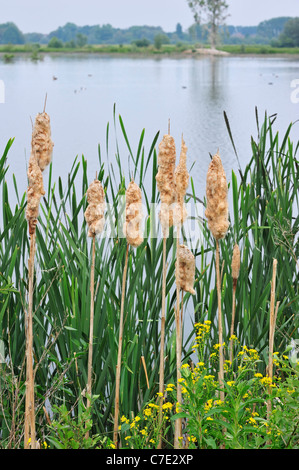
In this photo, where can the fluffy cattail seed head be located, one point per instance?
(133, 215)
(34, 192)
(185, 269)
(42, 145)
(94, 214)
(165, 179)
(236, 263)
(181, 184)
(217, 203)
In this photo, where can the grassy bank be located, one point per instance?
(166, 49)
(264, 222)
(259, 49)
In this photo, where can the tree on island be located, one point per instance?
(212, 12)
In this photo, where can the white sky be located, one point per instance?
(44, 16)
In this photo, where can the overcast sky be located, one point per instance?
(44, 16)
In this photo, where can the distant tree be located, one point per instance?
(213, 12)
(81, 40)
(55, 43)
(10, 34)
(290, 34)
(271, 29)
(160, 39)
(36, 38)
(106, 32)
(70, 44)
(179, 30)
(65, 33)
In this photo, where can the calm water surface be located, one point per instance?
(192, 92)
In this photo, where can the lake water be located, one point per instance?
(192, 92)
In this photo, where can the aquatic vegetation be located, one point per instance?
(90, 290)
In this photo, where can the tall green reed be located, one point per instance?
(264, 222)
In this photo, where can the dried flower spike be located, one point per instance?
(185, 269)
(236, 262)
(42, 145)
(181, 184)
(165, 179)
(94, 214)
(34, 193)
(133, 215)
(217, 203)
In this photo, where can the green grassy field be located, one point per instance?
(166, 49)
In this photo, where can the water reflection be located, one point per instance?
(192, 92)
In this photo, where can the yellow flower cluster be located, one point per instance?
(249, 354)
(208, 405)
(170, 387)
(202, 331)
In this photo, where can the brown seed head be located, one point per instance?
(34, 192)
(94, 214)
(165, 179)
(217, 203)
(41, 143)
(181, 184)
(236, 262)
(133, 215)
(185, 269)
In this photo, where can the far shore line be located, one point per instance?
(9, 54)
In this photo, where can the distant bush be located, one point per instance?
(160, 39)
(55, 43)
(141, 42)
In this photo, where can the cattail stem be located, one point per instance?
(235, 275)
(120, 338)
(29, 435)
(233, 320)
(220, 332)
(272, 323)
(178, 422)
(161, 372)
(90, 346)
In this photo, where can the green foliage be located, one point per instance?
(81, 40)
(243, 419)
(10, 34)
(271, 29)
(69, 432)
(141, 42)
(206, 13)
(290, 34)
(55, 43)
(160, 39)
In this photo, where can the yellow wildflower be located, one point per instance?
(167, 406)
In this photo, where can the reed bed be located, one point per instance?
(263, 221)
